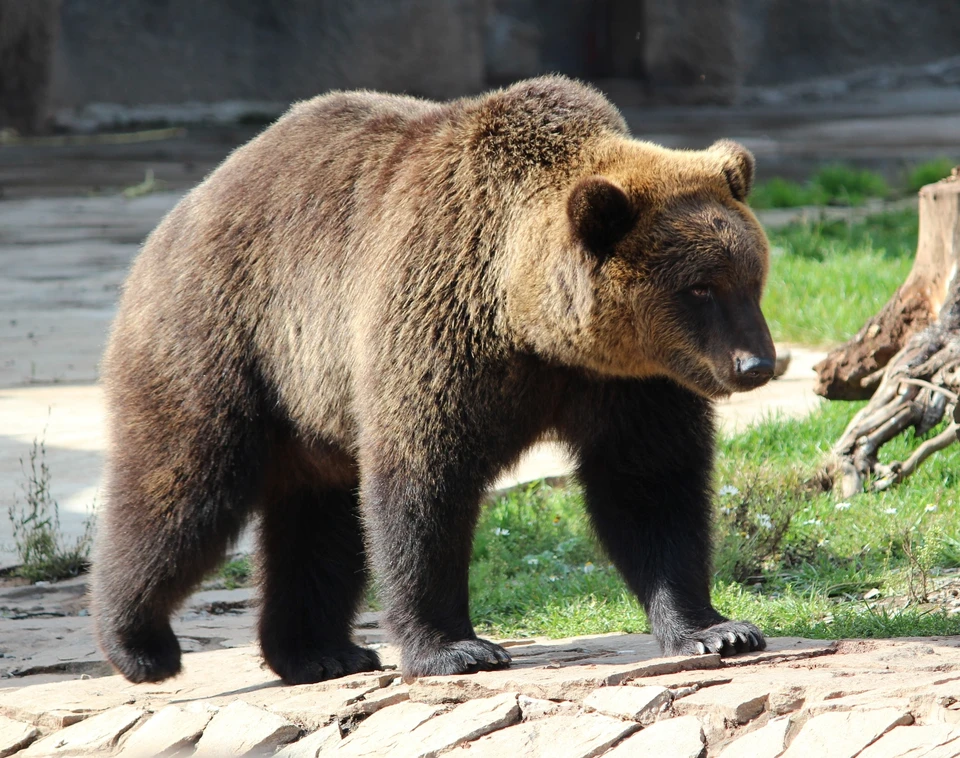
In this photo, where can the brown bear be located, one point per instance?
(369, 311)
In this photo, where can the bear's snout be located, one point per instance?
(752, 371)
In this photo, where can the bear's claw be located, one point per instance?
(726, 638)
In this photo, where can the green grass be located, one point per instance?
(835, 184)
(236, 572)
(827, 278)
(782, 193)
(843, 185)
(928, 173)
(787, 557)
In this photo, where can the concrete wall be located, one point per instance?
(171, 51)
(791, 40)
(138, 52)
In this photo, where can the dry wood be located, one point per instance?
(919, 382)
(853, 370)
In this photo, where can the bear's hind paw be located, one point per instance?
(320, 665)
(460, 657)
(151, 656)
(726, 638)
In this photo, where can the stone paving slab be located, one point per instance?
(15, 735)
(902, 742)
(768, 741)
(240, 728)
(640, 704)
(96, 735)
(169, 730)
(680, 737)
(583, 735)
(845, 735)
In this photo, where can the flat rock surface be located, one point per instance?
(580, 735)
(680, 737)
(15, 735)
(608, 695)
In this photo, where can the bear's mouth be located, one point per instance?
(704, 379)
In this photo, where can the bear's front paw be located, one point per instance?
(726, 638)
(460, 657)
(320, 665)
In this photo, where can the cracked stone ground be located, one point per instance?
(609, 695)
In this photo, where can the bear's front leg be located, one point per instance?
(646, 460)
(420, 522)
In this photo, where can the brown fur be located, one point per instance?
(369, 311)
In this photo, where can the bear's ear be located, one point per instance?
(600, 213)
(738, 167)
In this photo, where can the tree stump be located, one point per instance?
(907, 356)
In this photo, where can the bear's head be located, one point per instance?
(651, 264)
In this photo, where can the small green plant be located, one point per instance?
(41, 547)
(752, 521)
(782, 193)
(842, 185)
(928, 173)
(236, 572)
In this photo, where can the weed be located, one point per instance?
(842, 185)
(41, 548)
(928, 173)
(753, 515)
(781, 193)
(236, 572)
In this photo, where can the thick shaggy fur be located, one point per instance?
(365, 314)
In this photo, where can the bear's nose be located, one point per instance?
(753, 370)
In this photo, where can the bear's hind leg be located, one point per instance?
(163, 530)
(314, 575)
(421, 533)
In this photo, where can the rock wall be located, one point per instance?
(28, 32)
(149, 52)
(172, 51)
(791, 40)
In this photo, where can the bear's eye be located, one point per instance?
(699, 291)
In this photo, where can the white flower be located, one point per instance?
(501, 532)
(728, 489)
(842, 506)
(765, 521)
(532, 561)
(891, 511)
(726, 510)
(812, 522)
(930, 508)
(588, 567)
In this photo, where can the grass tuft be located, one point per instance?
(41, 547)
(843, 185)
(782, 193)
(928, 173)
